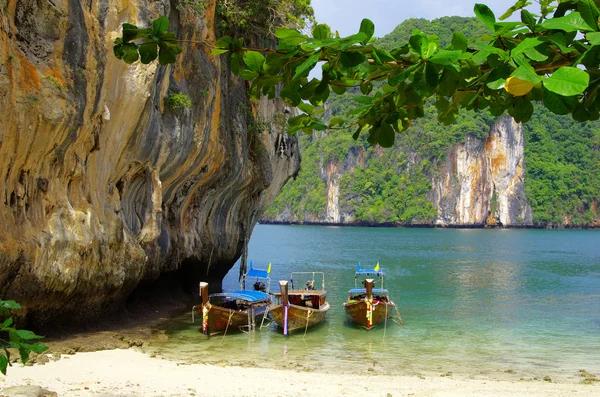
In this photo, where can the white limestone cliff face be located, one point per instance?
(482, 181)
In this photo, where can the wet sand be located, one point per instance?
(130, 372)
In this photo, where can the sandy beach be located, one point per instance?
(130, 372)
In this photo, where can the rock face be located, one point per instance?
(105, 187)
(482, 182)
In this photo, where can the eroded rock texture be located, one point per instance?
(103, 186)
(482, 182)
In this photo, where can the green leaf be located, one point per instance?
(419, 43)
(307, 65)
(368, 28)
(160, 25)
(351, 59)
(528, 19)
(290, 36)
(363, 99)
(567, 81)
(384, 55)
(306, 108)
(445, 57)
(38, 347)
(349, 41)
(485, 15)
(558, 104)
(167, 52)
(589, 12)
(338, 89)
(521, 109)
(131, 32)
(459, 41)
(6, 323)
(3, 364)
(336, 121)
(572, 22)
(224, 42)
(357, 132)
(321, 32)
(218, 51)
(366, 88)
(10, 305)
(593, 38)
(148, 52)
(385, 135)
(254, 60)
(527, 73)
(24, 352)
(248, 74)
(535, 55)
(526, 44)
(130, 53)
(27, 335)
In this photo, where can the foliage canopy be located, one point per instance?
(552, 57)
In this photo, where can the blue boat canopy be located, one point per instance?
(376, 291)
(247, 295)
(257, 272)
(376, 271)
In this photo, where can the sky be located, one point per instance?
(345, 15)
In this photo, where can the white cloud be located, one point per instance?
(345, 15)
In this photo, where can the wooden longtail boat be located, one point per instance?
(300, 309)
(237, 310)
(369, 306)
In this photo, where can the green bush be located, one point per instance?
(11, 337)
(178, 101)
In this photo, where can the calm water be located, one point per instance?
(472, 301)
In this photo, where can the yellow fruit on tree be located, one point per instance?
(518, 87)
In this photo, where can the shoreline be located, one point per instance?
(130, 372)
(432, 226)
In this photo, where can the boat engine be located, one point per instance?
(260, 286)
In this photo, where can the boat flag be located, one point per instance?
(376, 267)
(269, 269)
(358, 268)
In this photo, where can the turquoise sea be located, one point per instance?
(475, 302)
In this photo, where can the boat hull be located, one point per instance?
(357, 313)
(299, 317)
(221, 320)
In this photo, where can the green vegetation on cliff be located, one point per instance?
(562, 169)
(391, 186)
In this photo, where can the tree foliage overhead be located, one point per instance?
(391, 186)
(552, 57)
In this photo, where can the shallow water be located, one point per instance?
(473, 302)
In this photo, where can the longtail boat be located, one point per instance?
(237, 310)
(300, 308)
(369, 306)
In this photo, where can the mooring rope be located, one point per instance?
(231, 312)
(400, 322)
(263, 319)
(308, 314)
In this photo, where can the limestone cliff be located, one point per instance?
(103, 186)
(479, 184)
(482, 181)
